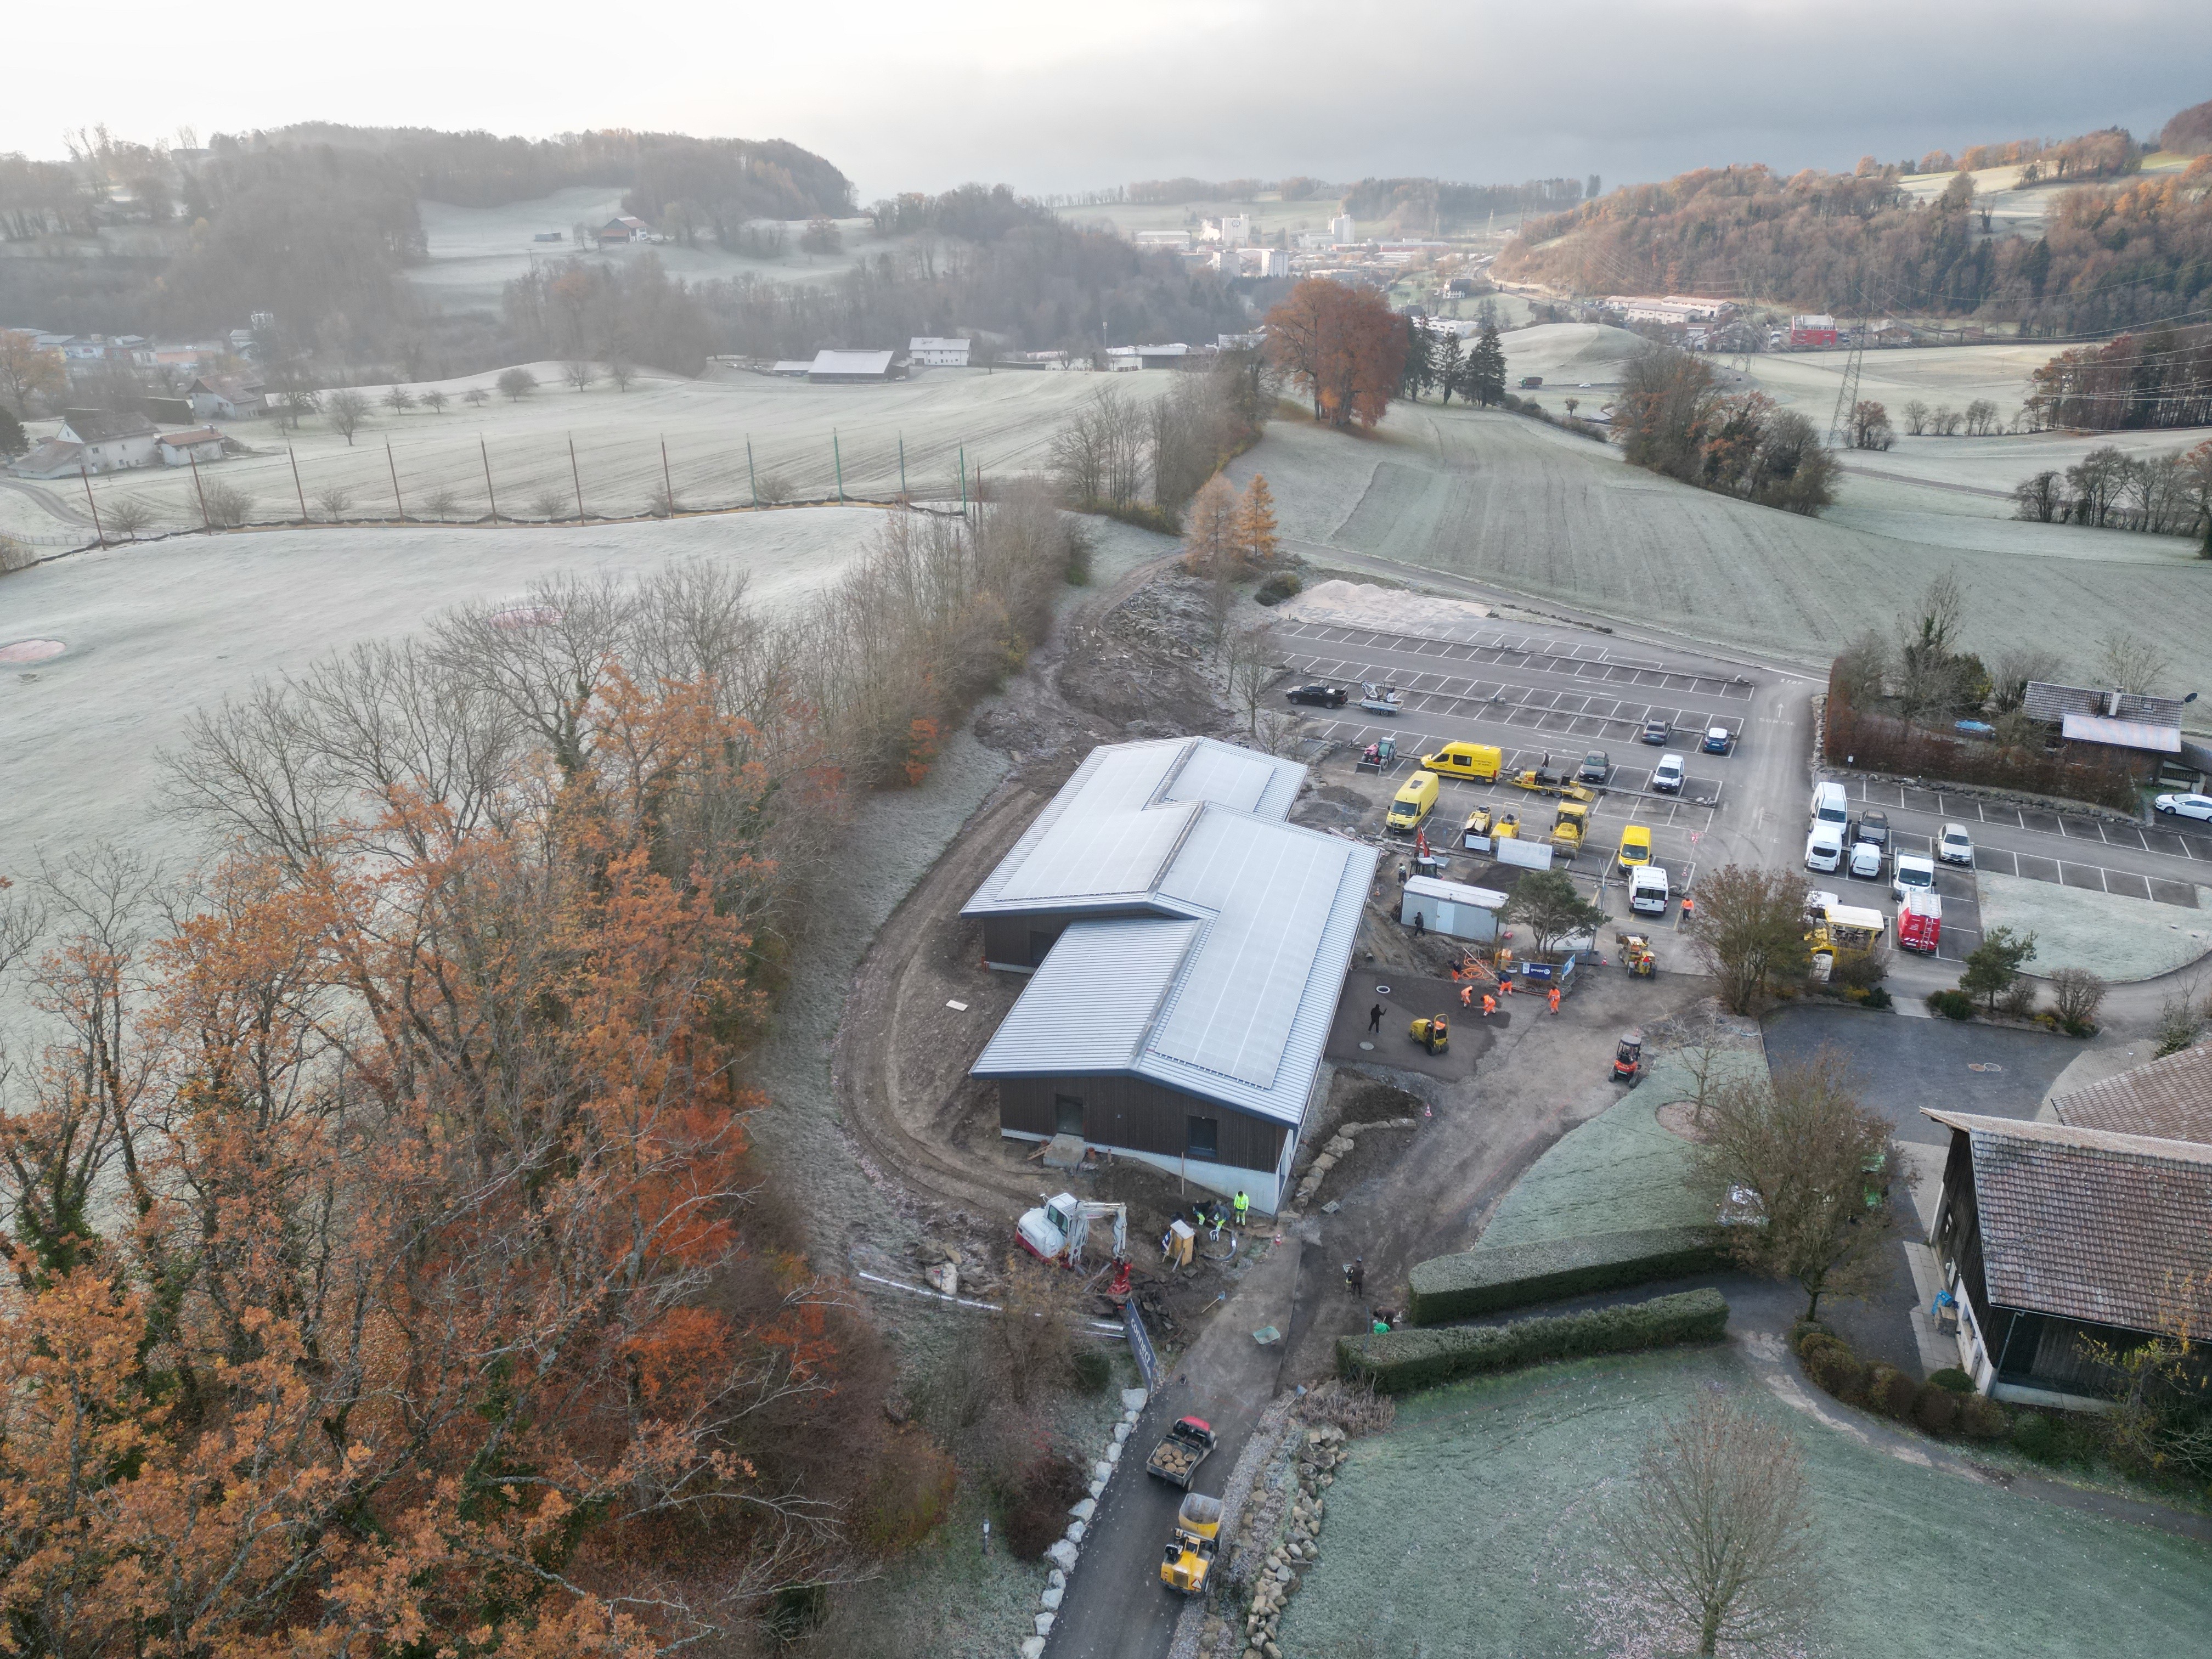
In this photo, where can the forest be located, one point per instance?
(1433, 205)
(2112, 255)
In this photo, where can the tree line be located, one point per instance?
(2168, 495)
(2111, 256)
(2157, 377)
(1673, 417)
(393, 1266)
(1435, 204)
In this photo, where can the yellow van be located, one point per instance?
(1479, 761)
(1411, 809)
(1635, 844)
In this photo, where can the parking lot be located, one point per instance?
(2060, 848)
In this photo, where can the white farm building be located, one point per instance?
(931, 352)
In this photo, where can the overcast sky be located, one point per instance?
(1053, 98)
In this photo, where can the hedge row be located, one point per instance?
(1477, 1282)
(1400, 1361)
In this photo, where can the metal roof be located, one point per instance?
(1455, 892)
(2090, 1225)
(1223, 982)
(2122, 735)
(831, 362)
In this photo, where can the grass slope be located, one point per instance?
(1508, 502)
(1467, 1532)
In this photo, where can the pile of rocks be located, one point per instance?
(1298, 1547)
(1338, 1146)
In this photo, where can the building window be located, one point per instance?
(1202, 1136)
(1066, 1115)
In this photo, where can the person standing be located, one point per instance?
(1243, 1206)
(1375, 1018)
(1555, 998)
(1421, 925)
(1355, 1277)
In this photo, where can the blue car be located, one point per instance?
(1717, 741)
(1974, 729)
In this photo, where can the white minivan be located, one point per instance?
(1824, 847)
(1830, 806)
(1647, 890)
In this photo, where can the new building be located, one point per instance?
(853, 368)
(933, 353)
(1186, 947)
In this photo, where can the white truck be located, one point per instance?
(1647, 890)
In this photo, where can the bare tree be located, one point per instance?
(1749, 927)
(2014, 668)
(1253, 663)
(227, 505)
(345, 410)
(2127, 662)
(334, 499)
(130, 515)
(578, 373)
(399, 400)
(2076, 994)
(439, 501)
(1916, 417)
(476, 397)
(1717, 1529)
(620, 371)
(550, 503)
(435, 401)
(514, 384)
(1812, 1165)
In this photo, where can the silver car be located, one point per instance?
(1954, 844)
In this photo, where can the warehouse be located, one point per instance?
(1186, 947)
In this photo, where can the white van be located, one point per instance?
(1824, 847)
(1830, 806)
(1647, 890)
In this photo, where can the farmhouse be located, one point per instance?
(933, 353)
(2128, 722)
(853, 368)
(624, 228)
(201, 443)
(1186, 947)
(111, 442)
(2057, 1238)
(57, 457)
(226, 397)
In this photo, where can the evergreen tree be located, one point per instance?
(1450, 367)
(1486, 369)
(1420, 360)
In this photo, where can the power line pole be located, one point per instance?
(1847, 394)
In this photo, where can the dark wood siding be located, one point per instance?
(1021, 941)
(1139, 1114)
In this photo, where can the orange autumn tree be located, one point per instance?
(386, 1268)
(1343, 345)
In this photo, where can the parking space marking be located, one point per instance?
(1546, 656)
(1498, 700)
(2166, 836)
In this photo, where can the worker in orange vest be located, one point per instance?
(1555, 998)
(1489, 1004)
(1467, 996)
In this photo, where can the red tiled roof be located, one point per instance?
(2088, 1224)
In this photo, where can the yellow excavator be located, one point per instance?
(1189, 1555)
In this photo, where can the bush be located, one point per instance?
(1953, 1378)
(1283, 585)
(1935, 1408)
(1878, 996)
(1450, 1287)
(1951, 1005)
(1833, 1366)
(906, 1495)
(1403, 1360)
(1092, 1371)
(1036, 1509)
(1889, 1391)
(1981, 1417)
(1075, 569)
(2034, 1435)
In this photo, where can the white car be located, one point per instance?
(1667, 776)
(1824, 849)
(1911, 874)
(1954, 844)
(1866, 861)
(2186, 806)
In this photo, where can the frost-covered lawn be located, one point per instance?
(1466, 1533)
(2122, 939)
(1619, 1172)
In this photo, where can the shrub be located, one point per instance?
(1889, 1391)
(1093, 1370)
(1403, 1360)
(1484, 1281)
(1935, 1408)
(1951, 1005)
(1981, 1417)
(1878, 996)
(1081, 545)
(1283, 585)
(2034, 1435)
(227, 505)
(2017, 1001)
(1802, 1334)
(1953, 1378)
(1036, 1509)
(908, 1493)
(1833, 1366)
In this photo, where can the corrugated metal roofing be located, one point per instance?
(1090, 1008)
(2088, 1224)
(1255, 972)
(2123, 734)
(1455, 892)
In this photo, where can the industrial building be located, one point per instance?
(1186, 947)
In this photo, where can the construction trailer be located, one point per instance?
(1452, 908)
